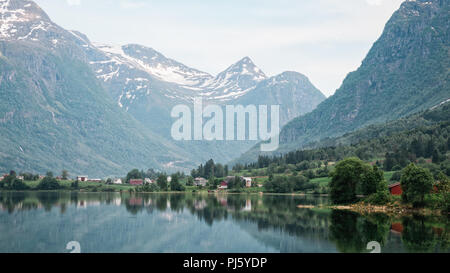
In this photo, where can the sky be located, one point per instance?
(322, 39)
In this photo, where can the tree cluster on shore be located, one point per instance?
(352, 177)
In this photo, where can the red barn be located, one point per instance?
(396, 189)
(136, 181)
(223, 185)
(397, 227)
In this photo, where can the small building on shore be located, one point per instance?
(248, 181)
(136, 182)
(82, 178)
(200, 181)
(117, 181)
(397, 228)
(96, 180)
(223, 185)
(396, 189)
(149, 181)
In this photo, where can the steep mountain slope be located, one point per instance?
(293, 91)
(405, 71)
(54, 114)
(439, 114)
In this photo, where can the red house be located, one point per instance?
(136, 181)
(397, 227)
(396, 189)
(223, 185)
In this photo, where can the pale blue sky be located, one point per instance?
(323, 39)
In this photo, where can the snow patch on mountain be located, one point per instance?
(166, 69)
(21, 19)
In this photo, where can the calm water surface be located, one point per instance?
(114, 222)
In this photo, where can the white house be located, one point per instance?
(149, 181)
(96, 180)
(200, 181)
(248, 181)
(117, 181)
(82, 178)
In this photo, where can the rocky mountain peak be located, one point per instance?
(19, 17)
(238, 77)
(246, 67)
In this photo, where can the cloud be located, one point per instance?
(74, 2)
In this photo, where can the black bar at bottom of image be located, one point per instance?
(230, 262)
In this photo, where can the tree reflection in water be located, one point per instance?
(350, 232)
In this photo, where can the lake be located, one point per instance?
(179, 223)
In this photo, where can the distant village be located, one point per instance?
(198, 181)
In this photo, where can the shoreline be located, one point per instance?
(177, 192)
(390, 209)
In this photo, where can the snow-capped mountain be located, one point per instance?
(155, 64)
(232, 83)
(236, 80)
(22, 20)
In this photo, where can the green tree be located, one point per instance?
(382, 195)
(11, 182)
(65, 174)
(345, 178)
(370, 180)
(436, 157)
(75, 185)
(175, 184)
(190, 181)
(49, 183)
(134, 174)
(389, 161)
(416, 182)
(443, 188)
(162, 182)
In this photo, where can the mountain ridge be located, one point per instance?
(405, 71)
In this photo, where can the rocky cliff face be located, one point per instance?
(406, 71)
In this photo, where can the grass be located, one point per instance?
(66, 184)
(322, 181)
(388, 176)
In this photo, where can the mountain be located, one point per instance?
(54, 113)
(405, 71)
(68, 103)
(438, 115)
(236, 80)
(293, 91)
(148, 85)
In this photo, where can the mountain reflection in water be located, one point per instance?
(123, 222)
